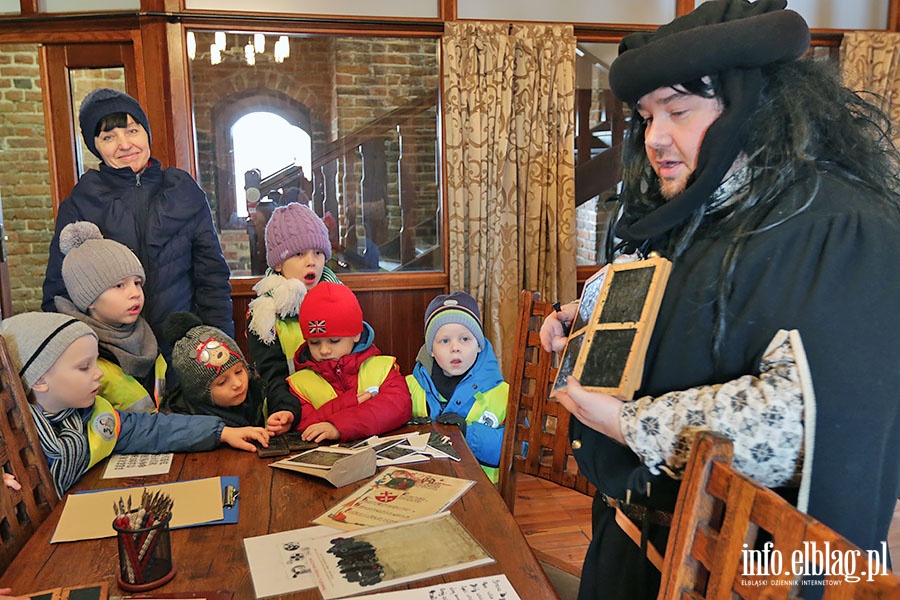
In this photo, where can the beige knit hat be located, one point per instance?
(93, 264)
(36, 340)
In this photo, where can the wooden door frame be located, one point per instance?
(61, 130)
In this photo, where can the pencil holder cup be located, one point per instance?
(145, 556)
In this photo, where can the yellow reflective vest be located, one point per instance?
(290, 336)
(124, 392)
(312, 386)
(102, 430)
(493, 401)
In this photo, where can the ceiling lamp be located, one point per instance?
(282, 49)
(250, 54)
(215, 55)
(191, 45)
(220, 40)
(259, 42)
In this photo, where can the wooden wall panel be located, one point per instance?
(397, 316)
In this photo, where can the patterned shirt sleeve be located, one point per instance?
(763, 415)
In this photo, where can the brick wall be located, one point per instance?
(344, 83)
(24, 174)
(592, 221)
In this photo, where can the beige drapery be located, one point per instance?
(509, 120)
(870, 62)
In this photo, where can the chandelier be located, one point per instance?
(256, 44)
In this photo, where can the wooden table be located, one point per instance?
(272, 500)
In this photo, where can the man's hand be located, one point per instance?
(239, 437)
(319, 432)
(554, 330)
(453, 419)
(597, 410)
(279, 422)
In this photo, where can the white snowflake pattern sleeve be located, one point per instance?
(762, 415)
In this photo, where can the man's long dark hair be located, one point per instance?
(806, 123)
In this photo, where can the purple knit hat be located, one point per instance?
(294, 228)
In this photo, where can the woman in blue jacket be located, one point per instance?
(160, 214)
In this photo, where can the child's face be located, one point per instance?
(73, 380)
(230, 387)
(121, 303)
(331, 348)
(455, 349)
(306, 266)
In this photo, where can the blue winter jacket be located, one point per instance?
(484, 436)
(164, 217)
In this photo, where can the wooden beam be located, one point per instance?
(893, 19)
(683, 7)
(447, 10)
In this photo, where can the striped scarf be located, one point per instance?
(64, 442)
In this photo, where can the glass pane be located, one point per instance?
(62, 6)
(569, 11)
(369, 107)
(840, 14)
(10, 7)
(352, 8)
(24, 176)
(81, 83)
(600, 125)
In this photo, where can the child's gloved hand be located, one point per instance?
(453, 419)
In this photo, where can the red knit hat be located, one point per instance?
(330, 310)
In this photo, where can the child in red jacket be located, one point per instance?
(348, 390)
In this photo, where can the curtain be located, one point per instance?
(870, 62)
(509, 121)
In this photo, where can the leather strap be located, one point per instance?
(638, 512)
(632, 531)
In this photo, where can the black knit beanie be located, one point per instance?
(733, 39)
(101, 103)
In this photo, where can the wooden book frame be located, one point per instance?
(609, 337)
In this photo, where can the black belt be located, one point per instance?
(639, 512)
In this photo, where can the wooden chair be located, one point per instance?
(537, 431)
(719, 510)
(20, 454)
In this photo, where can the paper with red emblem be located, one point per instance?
(395, 495)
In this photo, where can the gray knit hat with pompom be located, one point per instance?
(93, 264)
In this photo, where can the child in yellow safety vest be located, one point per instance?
(457, 380)
(297, 246)
(56, 359)
(105, 281)
(348, 389)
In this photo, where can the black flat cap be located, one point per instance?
(717, 36)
